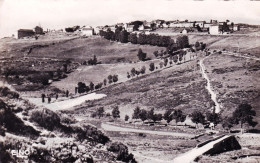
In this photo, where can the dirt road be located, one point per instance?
(208, 87)
(110, 127)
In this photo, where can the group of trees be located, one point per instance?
(83, 88)
(123, 36)
(136, 72)
(244, 114)
(100, 112)
(169, 115)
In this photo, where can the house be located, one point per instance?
(214, 29)
(200, 24)
(38, 30)
(184, 31)
(87, 31)
(141, 28)
(128, 27)
(207, 25)
(236, 28)
(25, 33)
(182, 24)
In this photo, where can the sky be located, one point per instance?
(57, 14)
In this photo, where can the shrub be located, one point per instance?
(14, 124)
(67, 119)
(122, 152)
(46, 118)
(90, 133)
(6, 92)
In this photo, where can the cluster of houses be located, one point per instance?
(213, 27)
(30, 32)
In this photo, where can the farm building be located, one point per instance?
(236, 28)
(214, 29)
(87, 31)
(200, 23)
(38, 30)
(25, 33)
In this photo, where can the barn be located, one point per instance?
(25, 33)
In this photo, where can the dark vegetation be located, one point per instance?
(143, 39)
(11, 123)
(51, 121)
(34, 74)
(122, 152)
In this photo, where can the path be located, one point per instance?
(241, 56)
(191, 155)
(208, 87)
(66, 104)
(110, 127)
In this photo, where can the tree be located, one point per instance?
(128, 75)
(126, 117)
(155, 53)
(213, 117)
(65, 67)
(143, 115)
(110, 79)
(91, 86)
(165, 62)
(116, 112)
(115, 78)
(132, 38)
(168, 115)
(136, 113)
(142, 71)
(182, 42)
(141, 55)
(81, 87)
(227, 123)
(151, 67)
(161, 64)
(197, 46)
(105, 82)
(244, 114)
(178, 116)
(150, 114)
(100, 112)
(123, 37)
(175, 59)
(133, 72)
(197, 117)
(157, 117)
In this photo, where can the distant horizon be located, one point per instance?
(57, 14)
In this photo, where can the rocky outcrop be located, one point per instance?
(228, 144)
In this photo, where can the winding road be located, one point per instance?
(209, 87)
(110, 127)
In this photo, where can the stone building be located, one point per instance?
(25, 33)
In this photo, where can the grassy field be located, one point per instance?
(78, 49)
(98, 73)
(243, 44)
(236, 81)
(179, 87)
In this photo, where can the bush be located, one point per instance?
(90, 133)
(67, 119)
(46, 118)
(14, 124)
(122, 152)
(6, 92)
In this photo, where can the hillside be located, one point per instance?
(51, 137)
(242, 43)
(77, 49)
